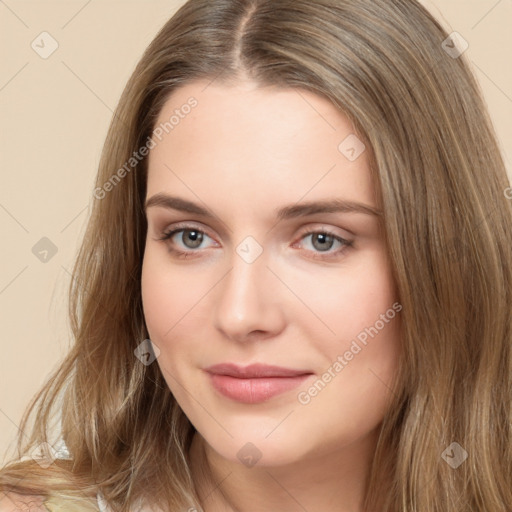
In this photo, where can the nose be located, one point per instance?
(249, 303)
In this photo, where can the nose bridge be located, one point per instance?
(246, 296)
(244, 287)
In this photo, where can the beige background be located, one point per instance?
(54, 117)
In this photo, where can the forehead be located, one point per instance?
(256, 143)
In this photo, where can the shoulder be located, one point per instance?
(12, 502)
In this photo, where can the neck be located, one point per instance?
(331, 482)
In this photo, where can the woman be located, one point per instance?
(225, 359)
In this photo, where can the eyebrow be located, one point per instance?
(284, 213)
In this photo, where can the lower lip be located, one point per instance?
(252, 391)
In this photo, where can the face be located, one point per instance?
(307, 290)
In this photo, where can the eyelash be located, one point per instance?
(320, 256)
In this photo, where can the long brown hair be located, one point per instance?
(394, 71)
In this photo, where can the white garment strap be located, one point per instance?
(102, 505)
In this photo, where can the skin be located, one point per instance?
(243, 152)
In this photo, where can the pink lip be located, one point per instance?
(254, 383)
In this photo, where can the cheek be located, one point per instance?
(175, 306)
(355, 384)
(164, 305)
(363, 354)
(167, 295)
(157, 298)
(353, 301)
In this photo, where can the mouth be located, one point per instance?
(254, 383)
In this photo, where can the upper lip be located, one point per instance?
(256, 370)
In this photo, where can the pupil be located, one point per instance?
(195, 237)
(322, 237)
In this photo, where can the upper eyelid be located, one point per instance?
(176, 228)
(346, 243)
(183, 227)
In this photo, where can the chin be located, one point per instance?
(250, 448)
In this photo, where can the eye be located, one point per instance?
(191, 238)
(323, 241)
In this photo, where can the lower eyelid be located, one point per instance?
(318, 255)
(166, 235)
